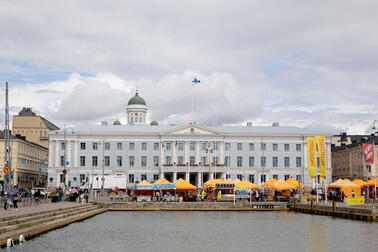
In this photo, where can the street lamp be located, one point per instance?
(374, 127)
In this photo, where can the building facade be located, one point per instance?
(131, 153)
(348, 160)
(28, 162)
(34, 127)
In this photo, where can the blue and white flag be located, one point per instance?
(162, 146)
(196, 81)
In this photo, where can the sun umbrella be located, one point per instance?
(13, 191)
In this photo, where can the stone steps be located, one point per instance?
(34, 220)
(39, 228)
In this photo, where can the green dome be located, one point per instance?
(116, 122)
(154, 123)
(136, 100)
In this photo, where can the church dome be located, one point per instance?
(154, 123)
(136, 100)
(116, 122)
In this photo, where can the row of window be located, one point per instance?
(205, 146)
(180, 159)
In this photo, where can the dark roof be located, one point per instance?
(19, 137)
(26, 112)
(357, 142)
(49, 124)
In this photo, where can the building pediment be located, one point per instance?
(191, 130)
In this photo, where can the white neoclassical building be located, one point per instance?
(127, 154)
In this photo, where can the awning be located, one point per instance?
(182, 184)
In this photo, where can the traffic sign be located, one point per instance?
(64, 172)
(67, 163)
(102, 179)
(23, 161)
(42, 162)
(6, 169)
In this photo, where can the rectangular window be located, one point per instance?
(227, 146)
(62, 145)
(62, 161)
(144, 161)
(82, 146)
(239, 146)
(192, 146)
(263, 146)
(275, 161)
(215, 145)
(168, 146)
(299, 161)
(107, 146)
(94, 161)
(263, 178)
(239, 176)
(156, 161)
(107, 161)
(298, 147)
(251, 146)
(287, 177)
(119, 161)
(275, 147)
(131, 161)
(156, 146)
(317, 162)
(263, 161)
(82, 161)
(119, 146)
(287, 162)
(181, 146)
(180, 160)
(131, 178)
(299, 178)
(94, 146)
(275, 176)
(227, 161)
(239, 161)
(203, 146)
(40, 133)
(156, 177)
(215, 160)
(82, 177)
(168, 160)
(251, 161)
(287, 147)
(192, 160)
(252, 178)
(204, 160)
(143, 177)
(61, 178)
(131, 146)
(144, 146)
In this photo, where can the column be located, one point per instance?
(68, 155)
(187, 176)
(174, 152)
(51, 154)
(198, 158)
(76, 153)
(186, 148)
(161, 159)
(199, 179)
(221, 152)
(174, 176)
(211, 175)
(57, 163)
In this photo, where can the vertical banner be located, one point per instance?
(311, 146)
(368, 150)
(320, 141)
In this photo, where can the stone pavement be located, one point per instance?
(35, 209)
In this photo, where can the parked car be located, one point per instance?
(24, 191)
(42, 191)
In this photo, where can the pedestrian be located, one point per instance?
(352, 194)
(158, 196)
(5, 200)
(15, 200)
(203, 194)
(36, 197)
(86, 198)
(219, 195)
(82, 199)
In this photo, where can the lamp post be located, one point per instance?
(375, 171)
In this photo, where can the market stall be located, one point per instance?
(143, 191)
(346, 187)
(282, 190)
(164, 189)
(185, 189)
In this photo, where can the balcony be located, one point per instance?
(194, 168)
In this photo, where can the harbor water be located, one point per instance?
(208, 231)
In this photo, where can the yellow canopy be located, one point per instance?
(359, 182)
(236, 181)
(294, 182)
(283, 185)
(182, 184)
(246, 183)
(162, 181)
(144, 183)
(211, 183)
(347, 187)
(277, 182)
(372, 182)
(270, 182)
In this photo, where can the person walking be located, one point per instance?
(203, 194)
(5, 200)
(219, 195)
(15, 200)
(36, 197)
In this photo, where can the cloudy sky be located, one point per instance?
(304, 63)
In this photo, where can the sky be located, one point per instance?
(309, 64)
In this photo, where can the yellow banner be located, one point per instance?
(322, 156)
(356, 201)
(311, 146)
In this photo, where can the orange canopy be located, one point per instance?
(212, 182)
(372, 182)
(270, 182)
(347, 187)
(162, 181)
(359, 182)
(144, 183)
(283, 185)
(182, 184)
(294, 182)
(246, 183)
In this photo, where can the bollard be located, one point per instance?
(21, 239)
(312, 205)
(333, 207)
(10, 243)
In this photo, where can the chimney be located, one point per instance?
(276, 124)
(249, 124)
